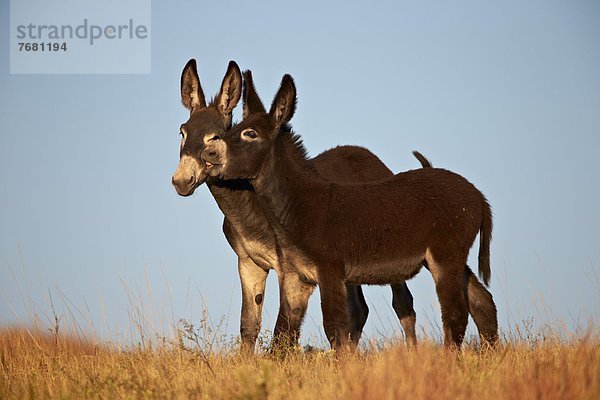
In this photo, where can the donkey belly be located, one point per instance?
(383, 272)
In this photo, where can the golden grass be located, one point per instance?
(35, 365)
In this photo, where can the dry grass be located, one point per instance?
(35, 365)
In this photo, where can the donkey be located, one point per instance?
(379, 232)
(245, 225)
(479, 300)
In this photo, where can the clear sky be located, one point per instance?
(506, 94)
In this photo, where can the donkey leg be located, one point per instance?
(253, 280)
(449, 285)
(334, 306)
(358, 311)
(402, 301)
(482, 308)
(293, 301)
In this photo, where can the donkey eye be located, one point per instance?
(182, 133)
(214, 137)
(250, 134)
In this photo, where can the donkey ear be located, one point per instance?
(252, 103)
(192, 96)
(284, 104)
(231, 90)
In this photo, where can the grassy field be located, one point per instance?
(50, 365)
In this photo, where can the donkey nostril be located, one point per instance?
(191, 180)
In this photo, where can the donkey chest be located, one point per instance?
(303, 266)
(262, 252)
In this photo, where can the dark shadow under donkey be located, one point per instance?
(247, 229)
(378, 232)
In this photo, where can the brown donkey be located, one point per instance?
(362, 233)
(245, 225)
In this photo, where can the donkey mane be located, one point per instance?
(213, 101)
(296, 142)
(293, 146)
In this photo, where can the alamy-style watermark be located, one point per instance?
(80, 37)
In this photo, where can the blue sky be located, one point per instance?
(506, 94)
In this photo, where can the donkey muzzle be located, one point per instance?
(213, 157)
(189, 175)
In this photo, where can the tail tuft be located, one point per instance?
(485, 237)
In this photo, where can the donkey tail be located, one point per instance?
(485, 237)
(422, 159)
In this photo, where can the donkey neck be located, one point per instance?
(288, 182)
(239, 203)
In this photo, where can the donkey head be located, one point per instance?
(206, 123)
(242, 151)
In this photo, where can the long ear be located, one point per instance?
(252, 103)
(231, 91)
(284, 104)
(192, 96)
